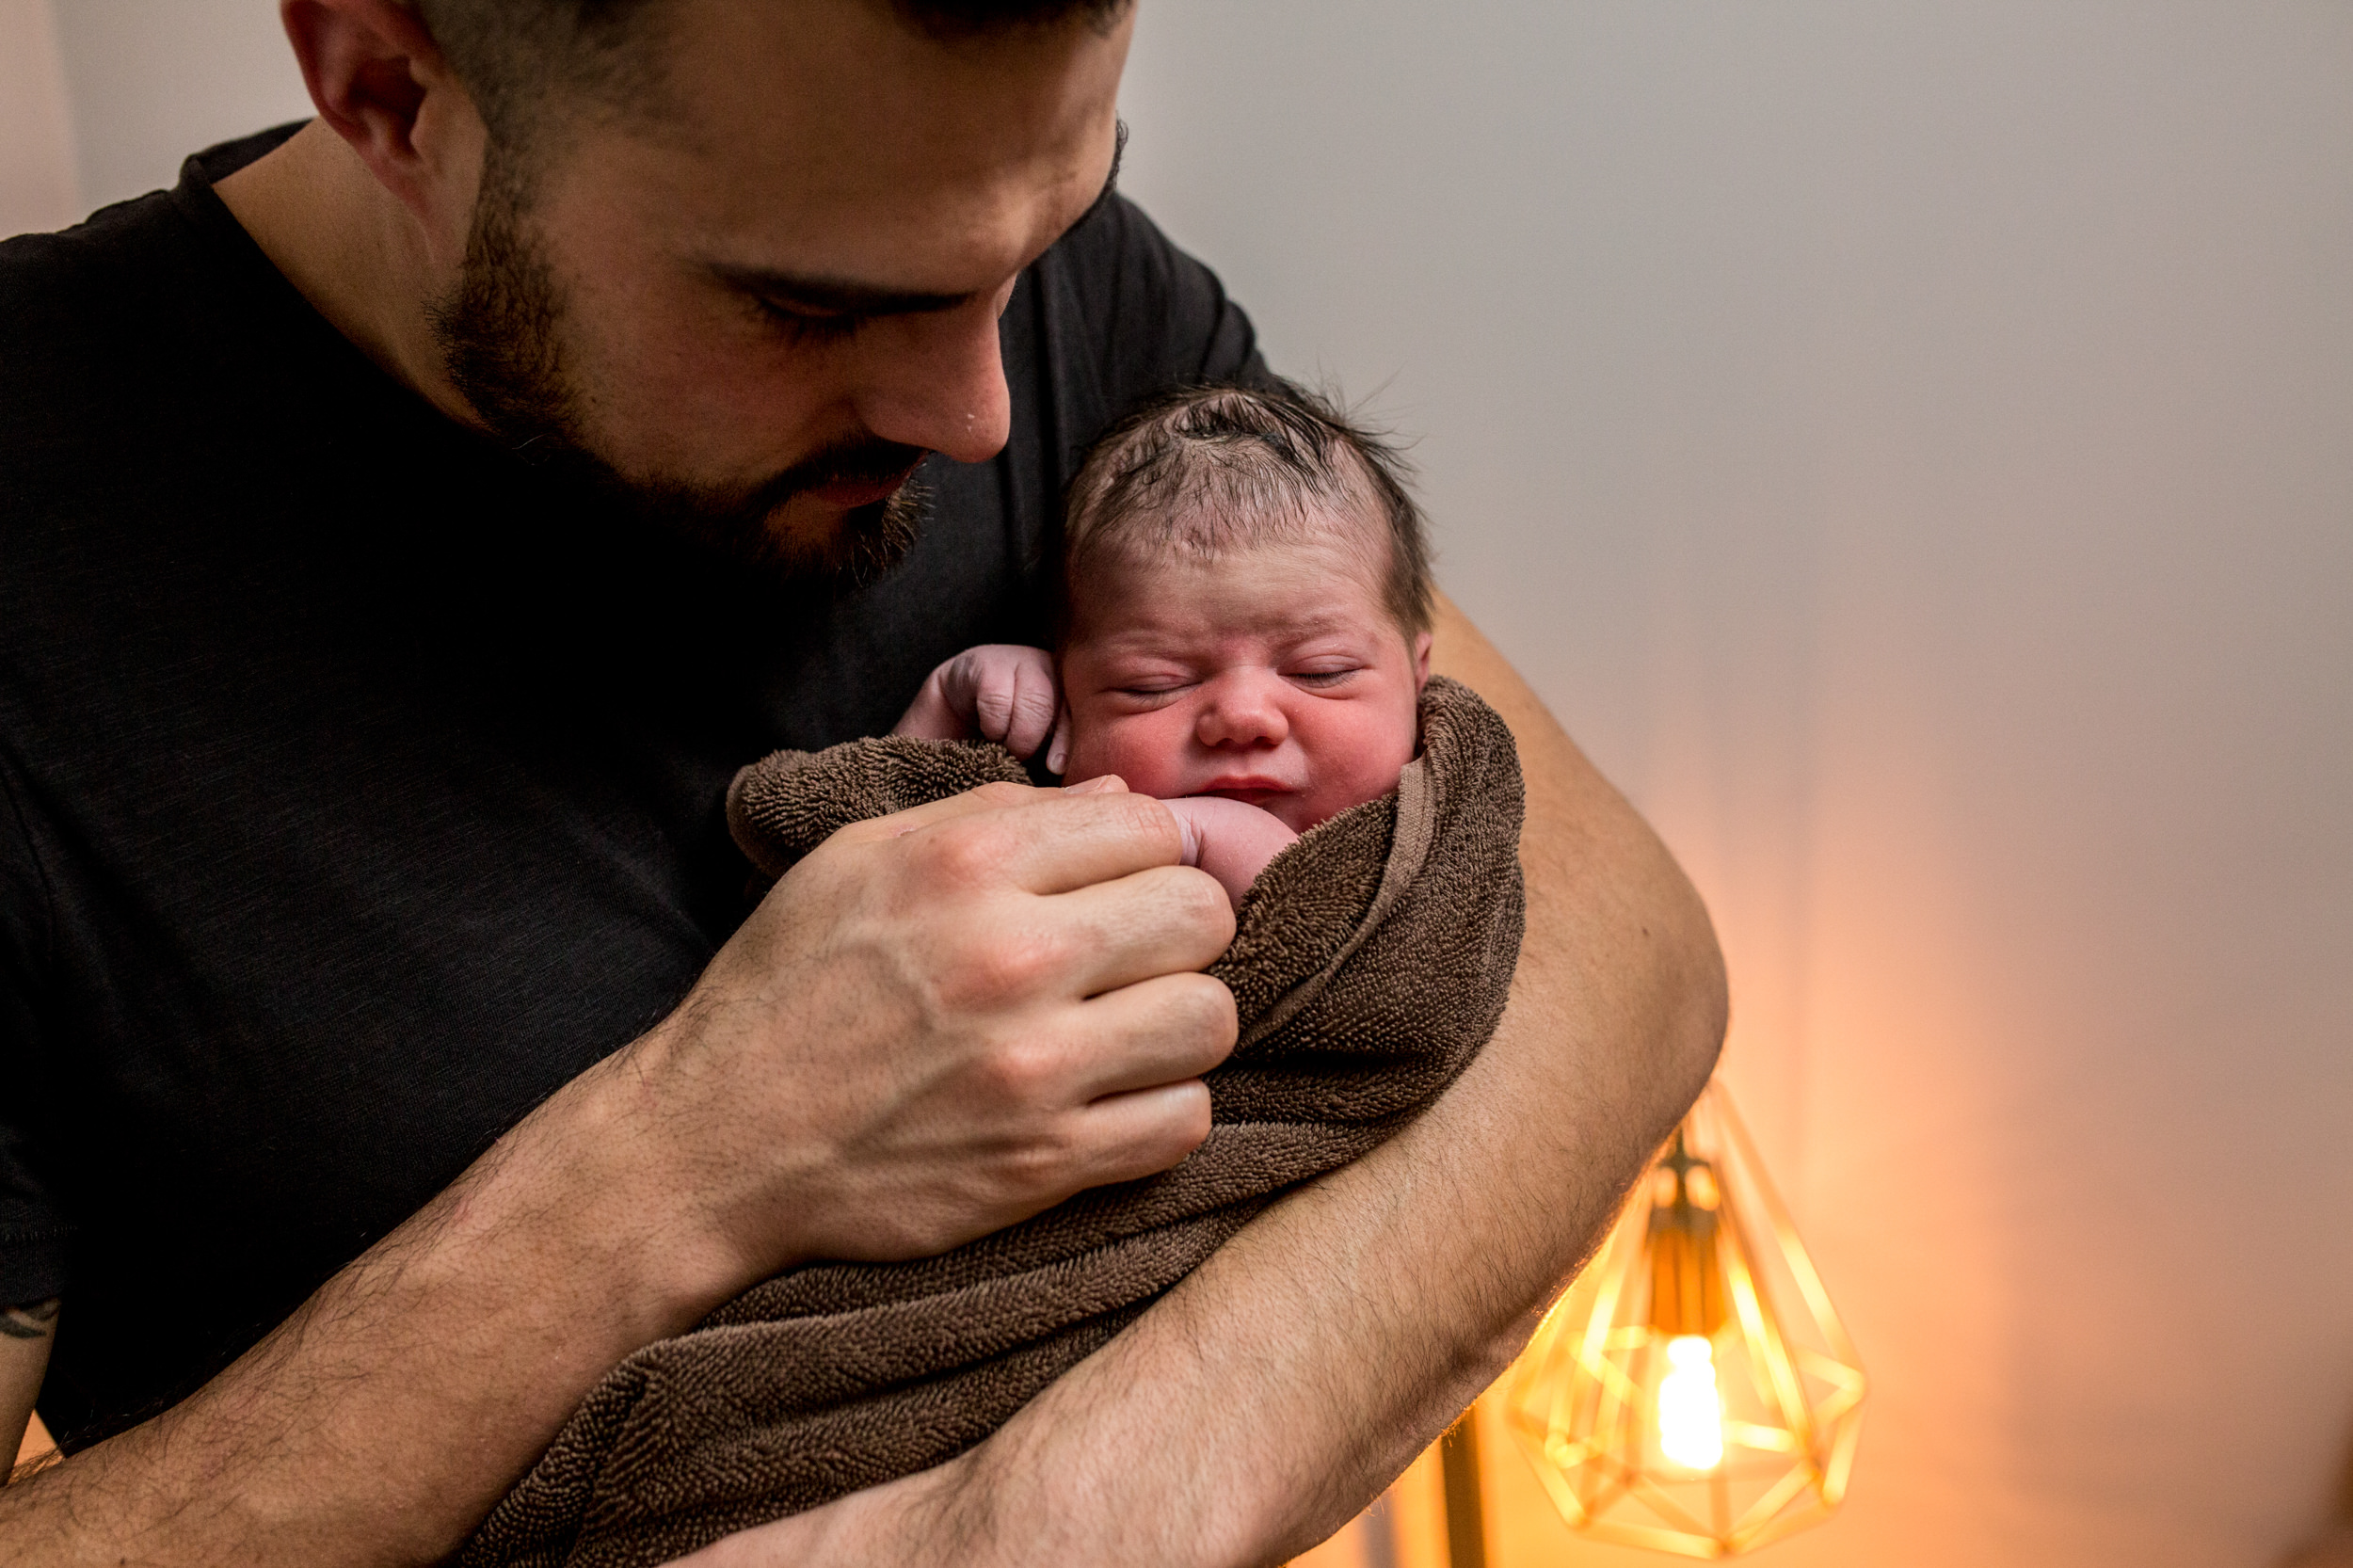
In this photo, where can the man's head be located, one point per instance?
(1246, 604)
(742, 264)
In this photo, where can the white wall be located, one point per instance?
(1912, 445)
(137, 85)
(37, 185)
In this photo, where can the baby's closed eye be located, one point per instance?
(1154, 692)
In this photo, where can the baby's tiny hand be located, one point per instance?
(998, 691)
(1231, 840)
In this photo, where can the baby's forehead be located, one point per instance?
(1324, 578)
(1325, 539)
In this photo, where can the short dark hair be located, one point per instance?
(1221, 467)
(509, 52)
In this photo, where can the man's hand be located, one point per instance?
(944, 1021)
(938, 1023)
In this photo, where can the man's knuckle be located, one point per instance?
(1037, 1169)
(961, 855)
(1138, 817)
(1004, 794)
(1005, 970)
(1024, 1073)
(1200, 903)
(1207, 1005)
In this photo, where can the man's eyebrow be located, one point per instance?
(848, 298)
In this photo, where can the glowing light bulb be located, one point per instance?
(1690, 1413)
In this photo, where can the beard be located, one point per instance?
(501, 331)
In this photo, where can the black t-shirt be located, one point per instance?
(359, 785)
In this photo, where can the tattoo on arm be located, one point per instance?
(29, 1322)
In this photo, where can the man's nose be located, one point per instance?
(937, 380)
(1244, 709)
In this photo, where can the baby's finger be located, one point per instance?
(1058, 752)
(993, 708)
(1034, 703)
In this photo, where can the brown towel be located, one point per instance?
(1370, 963)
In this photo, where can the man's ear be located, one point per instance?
(1421, 660)
(379, 81)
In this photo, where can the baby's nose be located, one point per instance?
(1245, 708)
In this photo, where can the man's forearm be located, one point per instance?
(25, 1334)
(1281, 1386)
(855, 1076)
(382, 1420)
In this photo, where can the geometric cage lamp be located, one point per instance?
(1694, 1392)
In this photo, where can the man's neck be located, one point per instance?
(353, 251)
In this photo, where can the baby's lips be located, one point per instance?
(1244, 784)
(1256, 792)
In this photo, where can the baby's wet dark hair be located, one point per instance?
(1212, 468)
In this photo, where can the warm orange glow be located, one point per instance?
(1694, 1392)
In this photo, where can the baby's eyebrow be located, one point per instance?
(1316, 623)
(1148, 642)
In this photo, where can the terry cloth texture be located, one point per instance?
(1371, 961)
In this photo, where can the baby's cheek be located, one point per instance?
(1361, 759)
(1127, 745)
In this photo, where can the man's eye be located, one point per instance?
(1322, 678)
(802, 326)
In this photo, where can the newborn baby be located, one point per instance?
(1243, 630)
(1244, 626)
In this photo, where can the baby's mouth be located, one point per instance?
(1250, 791)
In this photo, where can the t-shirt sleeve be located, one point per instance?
(33, 1231)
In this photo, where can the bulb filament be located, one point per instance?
(1690, 1411)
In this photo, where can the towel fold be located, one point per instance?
(1371, 961)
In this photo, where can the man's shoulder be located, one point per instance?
(1150, 315)
(80, 279)
(90, 313)
(1117, 255)
(128, 268)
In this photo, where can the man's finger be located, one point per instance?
(1164, 920)
(988, 797)
(1124, 1137)
(1049, 840)
(1160, 1031)
(973, 802)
